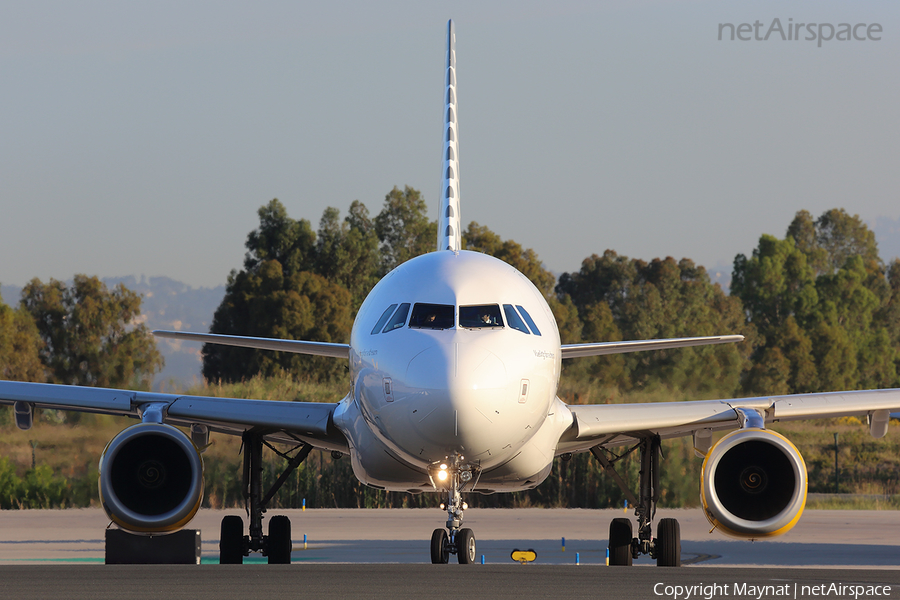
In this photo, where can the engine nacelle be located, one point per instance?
(151, 479)
(753, 484)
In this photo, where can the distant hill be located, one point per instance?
(10, 294)
(887, 234)
(721, 273)
(167, 304)
(170, 304)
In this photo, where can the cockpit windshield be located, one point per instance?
(384, 317)
(399, 318)
(529, 320)
(513, 319)
(432, 316)
(476, 317)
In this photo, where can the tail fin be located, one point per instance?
(449, 236)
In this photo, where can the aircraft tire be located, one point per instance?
(231, 541)
(465, 547)
(278, 544)
(668, 543)
(440, 547)
(620, 542)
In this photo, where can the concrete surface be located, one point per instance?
(824, 539)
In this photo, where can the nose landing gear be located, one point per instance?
(453, 475)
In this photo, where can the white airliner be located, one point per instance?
(454, 364)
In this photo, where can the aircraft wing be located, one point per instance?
(343, 350)
(603, 348)
(618, 424)
(295, 346)
(290, 422)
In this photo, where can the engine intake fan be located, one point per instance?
(151, 479)
(753, 484)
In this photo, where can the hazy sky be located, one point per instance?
(142, 138)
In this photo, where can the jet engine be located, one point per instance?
(151, 479)
(753, 484)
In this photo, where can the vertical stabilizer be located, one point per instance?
(448, 235)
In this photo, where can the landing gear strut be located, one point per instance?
(623, 548)
(453, 475)
(233, 544)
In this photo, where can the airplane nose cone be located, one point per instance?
(460, 370)
(456, 365)
(465, 387)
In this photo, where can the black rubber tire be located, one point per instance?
(620, 537)
(231, 541)
(440, 547)
(465, 547)
(278, 543)
(668, 543)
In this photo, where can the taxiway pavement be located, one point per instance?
(822, 539)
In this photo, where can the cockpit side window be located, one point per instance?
(529, 320)
(476, 317)
(383, 319)
(513, 319)
(432, 316)
(399, 318)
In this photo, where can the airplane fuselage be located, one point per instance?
(453, 354)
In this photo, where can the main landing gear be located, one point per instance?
(233, 544)
(623, 547)
(453, 475)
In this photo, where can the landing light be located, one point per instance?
(442, 475)
(465, 506)
(443, 467)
